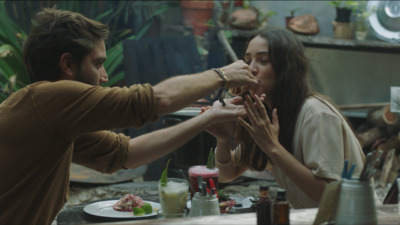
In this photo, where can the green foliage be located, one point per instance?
(263, 17)
(164, 175)
(210, 160)
(12, 71)
(352, 5)
(293, 11)
(127, 20)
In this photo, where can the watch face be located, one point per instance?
(385, 19)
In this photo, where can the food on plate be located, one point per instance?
(147, 208)
(226, 206)
(129, 202)
(225, 202)
(137, 211)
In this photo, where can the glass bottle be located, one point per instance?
(263, 207)
(281, 208)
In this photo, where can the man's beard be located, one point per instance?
(84, 79)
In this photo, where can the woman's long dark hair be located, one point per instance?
(289, 92)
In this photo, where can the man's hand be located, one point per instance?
(239, 74)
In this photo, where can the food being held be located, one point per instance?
(236, 91)
(130, 202)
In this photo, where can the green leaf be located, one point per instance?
(115, 79)
(210, 160)
(163, 179)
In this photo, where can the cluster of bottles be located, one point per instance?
(272, 211)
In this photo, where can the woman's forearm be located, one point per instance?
(151, 146)
(224, 159)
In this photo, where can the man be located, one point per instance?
(64, 115)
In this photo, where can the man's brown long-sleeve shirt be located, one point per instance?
(46, 125)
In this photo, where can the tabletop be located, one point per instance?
(387, 214)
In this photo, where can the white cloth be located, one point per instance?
(322, 141)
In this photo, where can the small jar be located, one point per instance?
(263, 207)
(281, 208)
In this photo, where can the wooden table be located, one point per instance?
(387, 214)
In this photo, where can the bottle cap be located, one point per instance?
(280, 195)
(264, 188)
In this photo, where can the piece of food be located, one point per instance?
(128, 202)
(226, 206)
(147, 208)
(236, 91)
(137, 211)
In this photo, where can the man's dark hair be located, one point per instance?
(54, 33)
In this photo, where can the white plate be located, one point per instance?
(244, 201)
(105, 209)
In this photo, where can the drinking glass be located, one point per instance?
(205, 173)
(173, 197)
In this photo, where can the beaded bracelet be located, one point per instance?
(221, 73)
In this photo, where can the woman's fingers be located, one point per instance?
(246, 125)
(251, 111)
(275, 119)
(261, 109)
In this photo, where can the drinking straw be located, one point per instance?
(212, 185)
(351, 171)
(344, 172)
(186, 178)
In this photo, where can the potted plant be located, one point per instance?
(361, 23)
(196, 12)
(344, 9)
(342, 26)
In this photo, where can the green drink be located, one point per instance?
(173, 197)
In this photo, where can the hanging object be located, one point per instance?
(385, 19)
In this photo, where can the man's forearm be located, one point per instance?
(177, 92)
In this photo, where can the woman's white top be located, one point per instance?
(322, 141)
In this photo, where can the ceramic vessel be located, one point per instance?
(356, 203)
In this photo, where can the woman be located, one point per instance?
(293, 132)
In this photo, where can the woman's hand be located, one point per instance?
(263, 132)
